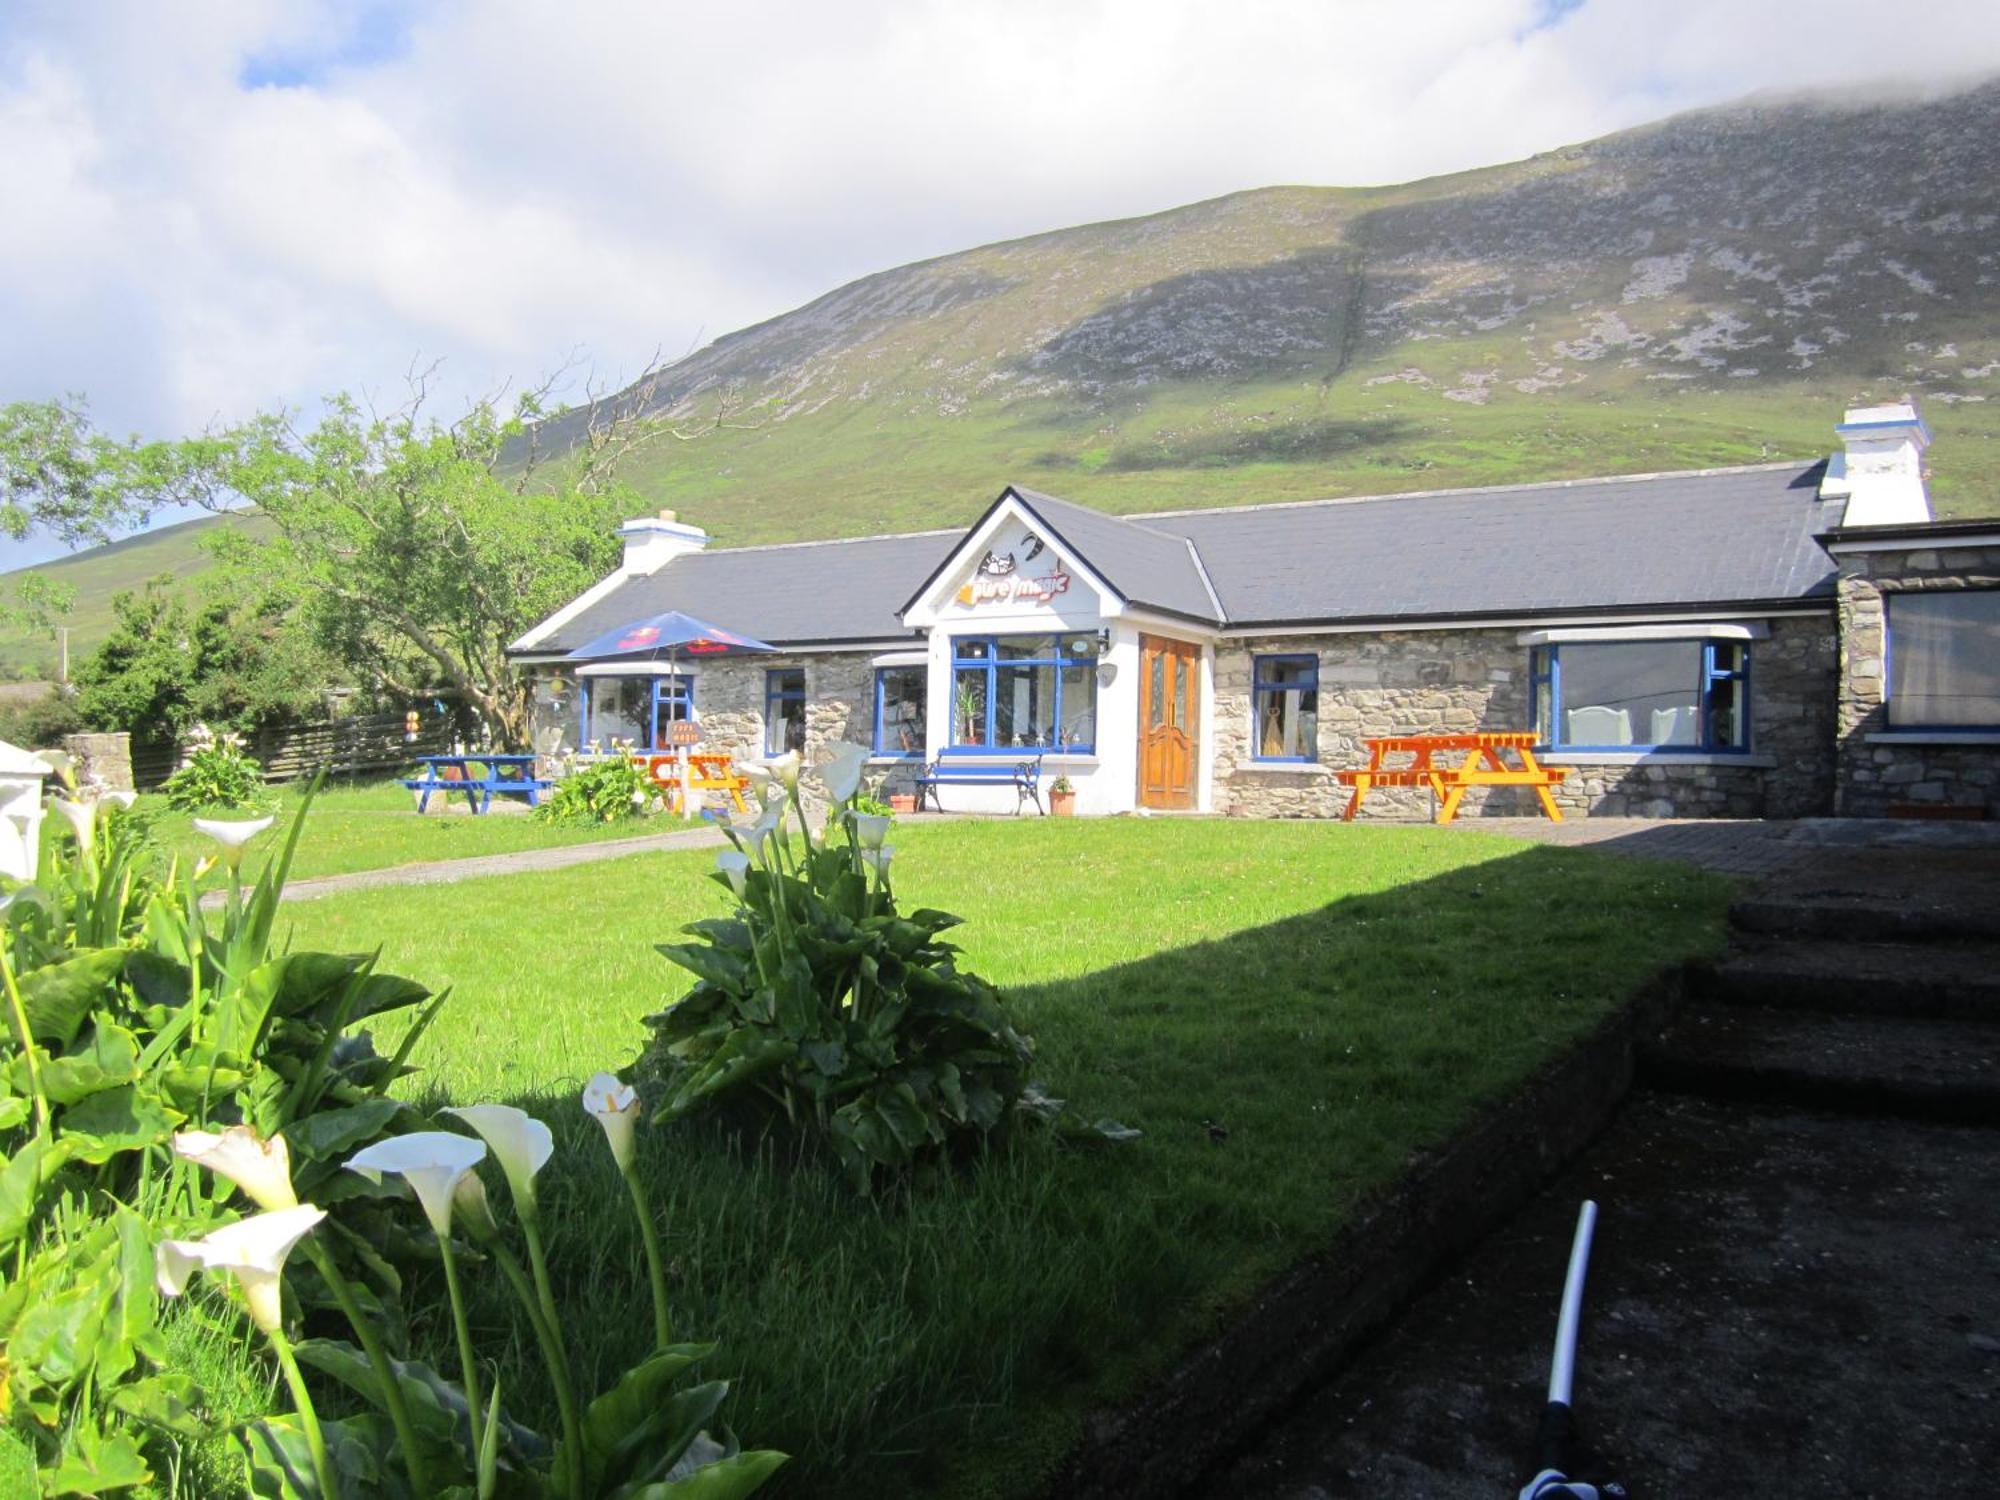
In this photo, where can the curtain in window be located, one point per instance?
(1944, 659)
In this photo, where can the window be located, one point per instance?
(1944, 659)
(1685, 695)
(784, 710)
(900, 696)
(633, 711)
(1285, 708)
(1034, 692)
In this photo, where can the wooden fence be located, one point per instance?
(346, 747)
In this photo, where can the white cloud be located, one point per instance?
(498, 182)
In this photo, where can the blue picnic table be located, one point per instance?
(498, 775)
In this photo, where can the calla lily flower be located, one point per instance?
(472, 1208)
(430, 1161)
(878, 860)
(253, 1250)
(870, 829)
(263, 1169)
(615, 1106)
(121, 799)
(232, 834)
(734, 864)
(59, 761)
(764, 827)
(779, 770)
(82, 819)
(842, 770)
(519, 1142)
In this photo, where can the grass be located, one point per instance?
(1287, 1011)
(375, 826)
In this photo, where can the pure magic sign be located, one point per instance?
(1023, 572)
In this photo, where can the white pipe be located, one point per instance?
(1562, 1370)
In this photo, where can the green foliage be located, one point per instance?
(61, 475)
(42, 721)
(608, 790)
(218, 775)
(822, 1009)
(135, 1013)
(170, 663)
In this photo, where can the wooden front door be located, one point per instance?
(1169, 721)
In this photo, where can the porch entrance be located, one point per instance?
(1169, 722)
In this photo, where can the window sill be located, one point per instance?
(1283, 767)
(1655, 758)
(1934, 737)
(909, 758)
(983, 757)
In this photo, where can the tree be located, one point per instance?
(231, 660)
(419, 549)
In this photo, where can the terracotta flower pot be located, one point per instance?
(903, 802)
(1062, 804)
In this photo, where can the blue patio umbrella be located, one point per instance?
(672, 632)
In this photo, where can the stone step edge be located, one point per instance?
(1853, 922)
(1309, 1323)
(1746, 979)
(1680, 1070)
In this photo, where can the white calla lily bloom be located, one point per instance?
(263, 1169)
(232, 834)
(615, 1106)
(735, 865)
(778, 770)
(841, 771)
(430, 1161)
(120, 799)
(519, 1142)
(870, 829)
(253, 1250)
(878, 860)
(82, 819)
(59, 761)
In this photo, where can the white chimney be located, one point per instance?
(651, 542)
(1881, 471)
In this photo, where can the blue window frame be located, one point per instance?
(1284, 708)
(784, 710)
(901, 694)
(632, 709)
(1687, 695)
(1023, 692)
(1944, 659)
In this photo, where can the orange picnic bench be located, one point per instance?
(706, 773)
(1482, 766)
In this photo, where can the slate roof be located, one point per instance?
(1743, 536)
(1722, 536)
(801, 593)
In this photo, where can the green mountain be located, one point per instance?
(99, 575)
(1708, 290)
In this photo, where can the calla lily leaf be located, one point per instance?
(60, 997)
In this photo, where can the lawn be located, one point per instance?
(375, 825)
(1286, 1011)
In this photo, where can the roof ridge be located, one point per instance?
(828, 541)
(1482, 489)
(1131, 519)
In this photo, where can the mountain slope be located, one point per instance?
(1710, 289)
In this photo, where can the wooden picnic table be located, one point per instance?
(705, 773)
(1482, 765)
(499, 775)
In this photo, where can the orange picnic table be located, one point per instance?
(706, 773)
(1482, 765)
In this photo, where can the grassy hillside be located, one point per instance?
(99, 575)
(1707, 290)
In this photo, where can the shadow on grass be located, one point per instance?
(947, 1340)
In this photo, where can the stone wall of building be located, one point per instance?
(1464, 681)
(1879, 777)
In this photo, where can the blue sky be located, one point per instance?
(221, 206)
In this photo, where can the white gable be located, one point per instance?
(1008, 571)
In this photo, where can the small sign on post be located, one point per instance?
(684, 732)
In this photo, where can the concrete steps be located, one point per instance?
(1930, 981)
(1938, 1070)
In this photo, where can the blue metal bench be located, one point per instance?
(479, 790)
(1025, 777)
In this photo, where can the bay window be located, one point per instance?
(1643, 695)
(1285, 708)
(632, 711)
(1944, 659)
(1024, 692)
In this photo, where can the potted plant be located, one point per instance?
(971, 713)
(902, 802)
(1062, 798)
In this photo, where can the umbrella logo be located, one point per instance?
(632, 640)
(704, 646)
